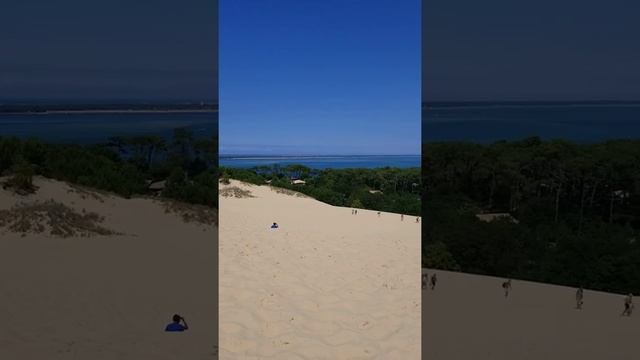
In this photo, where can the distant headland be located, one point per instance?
(42, 108)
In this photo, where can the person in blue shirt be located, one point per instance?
(176, 325)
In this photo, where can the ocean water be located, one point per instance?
(323, 162)
(90, 128)
(488, 122)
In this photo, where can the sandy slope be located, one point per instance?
(107, 297)
(325, 285)
(467, 317)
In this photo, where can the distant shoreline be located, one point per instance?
(130, 111)
(115, 108)
(525, 104)
(323, 162)
(269, 157)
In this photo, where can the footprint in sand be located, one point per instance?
(270, 330)
(270, 303)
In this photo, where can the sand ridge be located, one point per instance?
(107, 297)
(325, 285)
(468, 317)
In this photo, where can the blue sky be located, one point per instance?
(77, 50)
(320, 77)
(531, 50)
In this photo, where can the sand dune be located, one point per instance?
(325, 285)
(468, 317)
(106, 296)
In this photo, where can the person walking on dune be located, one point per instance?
(628, 305)
(434, 280)
(425, 280)
(401, 217)
(507, 287)
(579, 297)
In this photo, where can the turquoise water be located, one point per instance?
(488, 122)
(97, 127)
(323, 162)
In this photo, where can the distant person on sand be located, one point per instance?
(176, 325)
(274, 226)
(579, 297)
(434, 280)
(628, 305)
(417, 219)
(353, 212)
(401, 217)
(356, 212)
(507, 287)
(378, 213)
(425, 280)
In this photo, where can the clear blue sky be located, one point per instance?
(77, 50)
(531, 50)
(320, 77)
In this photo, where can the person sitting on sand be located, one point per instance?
(579, 297)
(434, 280)
(628, 305)
(274, 226)
(507, 287)
(176, 325)
(425, 280)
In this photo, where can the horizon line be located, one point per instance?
(306, 156)
(532, 101)
(109, 101)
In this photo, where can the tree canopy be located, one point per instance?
(577, 208)
(123, 165)
(383, 189)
